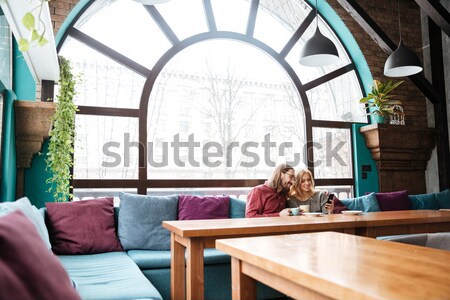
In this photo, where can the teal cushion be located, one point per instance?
(147, 259)
(108, 276)
(443, 198)
(237, 208)
(424, 201)
(366, 203)
(140, 218)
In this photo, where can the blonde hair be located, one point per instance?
(274, 181)
(296, 187)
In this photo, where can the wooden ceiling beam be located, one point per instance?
(369, 25)
(388, 46)
(437, 13)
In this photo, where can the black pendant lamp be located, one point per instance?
(319, 50)
(402, 62)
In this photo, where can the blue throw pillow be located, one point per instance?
(366, 203)
(140, 218)
(424, 201)
(443, 198)
(237, 208)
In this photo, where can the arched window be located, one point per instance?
(207, 94)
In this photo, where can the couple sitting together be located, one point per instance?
(285, 190)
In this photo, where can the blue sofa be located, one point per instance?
(398, 200)
(145, 274)
(439, 240)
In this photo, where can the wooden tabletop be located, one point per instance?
(253, 226)
(343, 266)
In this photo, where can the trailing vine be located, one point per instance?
(60, 153)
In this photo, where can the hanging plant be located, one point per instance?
(60, 152)
(35, 27)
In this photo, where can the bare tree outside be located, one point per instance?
(223, 100)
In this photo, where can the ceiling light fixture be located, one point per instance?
(319, 50)
(402, 62)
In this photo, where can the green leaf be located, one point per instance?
(34, 35)
(24, 45)
(28, 21)
(59, 160)
(364, 99)
(42, 41)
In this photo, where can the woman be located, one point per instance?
(303, 192)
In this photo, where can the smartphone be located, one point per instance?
(330, 198)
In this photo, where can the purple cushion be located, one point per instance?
(28, 269)
(338, 206)
(393, 200)
(82, 227)
(206, 207)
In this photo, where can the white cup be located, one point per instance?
(304, 208)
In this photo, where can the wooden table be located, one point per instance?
(330, 265)
(402, 222)
(194, 236)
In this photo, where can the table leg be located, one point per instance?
(195, 289)
(177, 274)
(243, 287)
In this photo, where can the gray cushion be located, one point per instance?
(140, 218)
(33, 214)
(440, 240)
(413, 239)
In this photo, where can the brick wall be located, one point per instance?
(384, 12)
(59, 10)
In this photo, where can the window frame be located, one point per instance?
(143, 182)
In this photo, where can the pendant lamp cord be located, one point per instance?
(399, 21)
(317, 19)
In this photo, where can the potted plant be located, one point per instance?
(60, 151)
(379, 100)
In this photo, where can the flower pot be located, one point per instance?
(377, 119)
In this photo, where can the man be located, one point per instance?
(269, 199)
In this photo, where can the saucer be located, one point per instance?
(352, 212)
(312, 214)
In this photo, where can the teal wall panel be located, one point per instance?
(35, 179)
(9, 171)
(362, 156)
(24, 88)
(24, 85)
